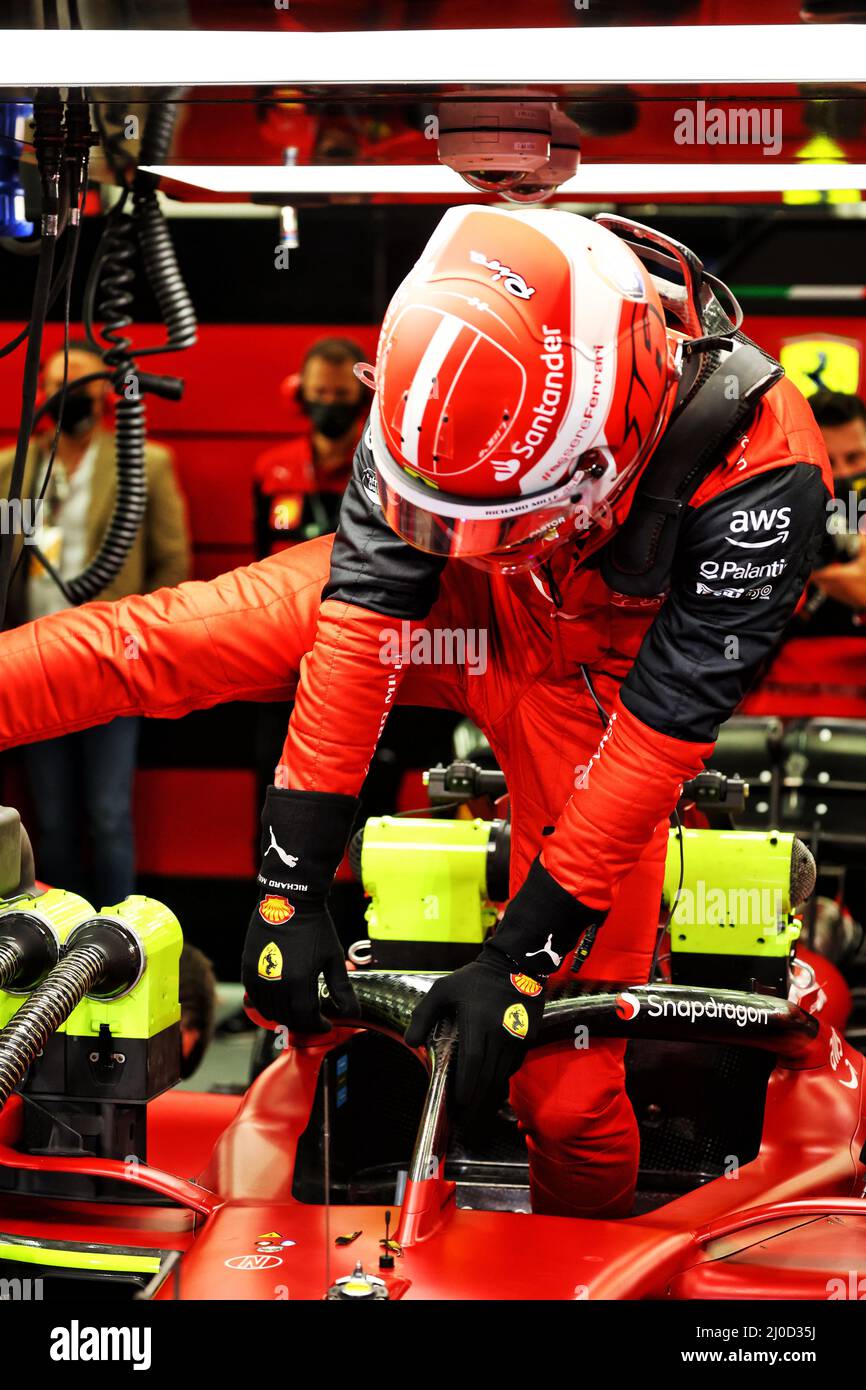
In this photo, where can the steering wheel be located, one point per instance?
(661, 1012)
(673, 1013)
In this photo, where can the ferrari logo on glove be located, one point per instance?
(515, 1020)
(271, 962)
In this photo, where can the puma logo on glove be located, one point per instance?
(547, 949)
(290, 860)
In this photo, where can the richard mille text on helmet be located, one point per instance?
(551, 457)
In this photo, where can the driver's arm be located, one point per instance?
(346, 691)
(694, 665)
(728, 607)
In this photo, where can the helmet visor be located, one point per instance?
(462, 528)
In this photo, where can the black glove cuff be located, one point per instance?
(304, 836)
(542, 923)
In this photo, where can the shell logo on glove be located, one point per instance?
(275, 910)
(515, 1020)
(271, 962)
(524, 984)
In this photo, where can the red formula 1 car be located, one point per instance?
(752, 1180)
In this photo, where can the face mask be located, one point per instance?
(78, 415)
(855, 482)
(331, 420)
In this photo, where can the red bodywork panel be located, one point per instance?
(182, 1129)
(813, 1258)
(703, 1244)
(476, 1255)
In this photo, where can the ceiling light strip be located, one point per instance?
(605, 180)
(438, 58)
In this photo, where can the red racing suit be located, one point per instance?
(598, 799)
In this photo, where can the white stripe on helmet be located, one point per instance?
(447, 332)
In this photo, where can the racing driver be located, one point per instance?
(561, 456)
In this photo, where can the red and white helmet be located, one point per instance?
(523, 378)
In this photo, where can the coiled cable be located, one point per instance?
(154, 236)
(163, 273)
(112, 276)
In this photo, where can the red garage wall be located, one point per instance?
(232, 410)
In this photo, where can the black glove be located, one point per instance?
(498, 1014)
(498, 1000)
(291, 939)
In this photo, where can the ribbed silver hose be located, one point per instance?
(44, 1010)
(10, 962)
